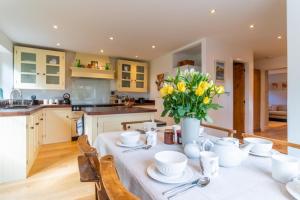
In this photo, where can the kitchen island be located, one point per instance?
(98, 120)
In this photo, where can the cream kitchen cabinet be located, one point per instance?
(38, 69)
(132, 76)
(57, 125)
(97, 124)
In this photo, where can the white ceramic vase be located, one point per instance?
(190, 130)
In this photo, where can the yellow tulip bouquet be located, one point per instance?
(189, 95)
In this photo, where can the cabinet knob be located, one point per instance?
(44, 74)
(41, 119)
(37, 73)
(67, 116)
(31, 127)
(37, 124)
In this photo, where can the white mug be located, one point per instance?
(45, 101)
(210, 163)
(50, 101)
(285, 167)
(149, 126)
(151, 138)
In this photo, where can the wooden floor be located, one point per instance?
(54, 176)
(275, 130)
(278, 131)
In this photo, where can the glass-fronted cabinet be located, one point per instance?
(132, 76)
(38, 68)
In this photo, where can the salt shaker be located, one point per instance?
(151, 138)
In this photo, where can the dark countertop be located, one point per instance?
(30, 110)
(115, 110)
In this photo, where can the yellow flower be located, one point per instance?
(206, 100)
(163, 91)
(199, 91)
(167, 89)
(204, 85)
(170, 89)
(220, 89)
(181, 86)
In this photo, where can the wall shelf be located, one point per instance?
(92, 73)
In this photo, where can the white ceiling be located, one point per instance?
(86, 25)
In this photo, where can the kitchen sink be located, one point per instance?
(16, 107)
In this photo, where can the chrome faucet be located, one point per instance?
(16, 94)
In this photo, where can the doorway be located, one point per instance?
(239, 98)
(256, 100)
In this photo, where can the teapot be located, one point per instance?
(230, 154)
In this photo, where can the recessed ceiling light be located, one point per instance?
(212, 11)
(111, 38)
(153, 46)
(55, 26)
(251, 26)
(136, 56)
(58, 44)
(279, 37)
(101, 51)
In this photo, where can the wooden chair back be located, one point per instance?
(85, 147)
(88, 163)
(230, 132)
(110, 187)
(279, 145)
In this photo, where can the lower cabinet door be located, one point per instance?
(57, 126)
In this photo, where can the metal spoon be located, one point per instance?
(202, 182)
(142, 147)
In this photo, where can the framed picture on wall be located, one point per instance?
(220, 71)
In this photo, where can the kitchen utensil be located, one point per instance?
(260, 145)
(67, 99)
(138, 144)
(230, 155)
(285, 167)
(170, 163)
(186, 176)
(146, 147)
(209, 163)
(192, 150)
(130, 137)
(202, 182)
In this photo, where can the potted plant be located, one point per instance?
(189, 96)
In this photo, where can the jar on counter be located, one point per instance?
(179, 138)
(169, 136)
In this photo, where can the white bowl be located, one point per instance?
(130, 137)
(261, 145)
(170, 163)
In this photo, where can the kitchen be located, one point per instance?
(54, 89)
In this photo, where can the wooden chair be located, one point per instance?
(88, 163)
(279, 145)
(230, 132)
(110, 187)
(107, 183)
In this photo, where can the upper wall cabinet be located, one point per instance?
(38, 69)
(132, 76)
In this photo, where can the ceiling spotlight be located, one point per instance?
(279, 37)
(101, 51)
(251, 26)
(212, 11)
(55, 26)
(153, 46)
(58, 44)
(136, 56)
(111, 38)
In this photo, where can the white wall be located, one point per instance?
(211, 50)
(6, 63)
(293, 30)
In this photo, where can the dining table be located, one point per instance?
(252, 180)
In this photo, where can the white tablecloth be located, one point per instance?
(250, 181)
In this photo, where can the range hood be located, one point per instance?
(92, 73)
